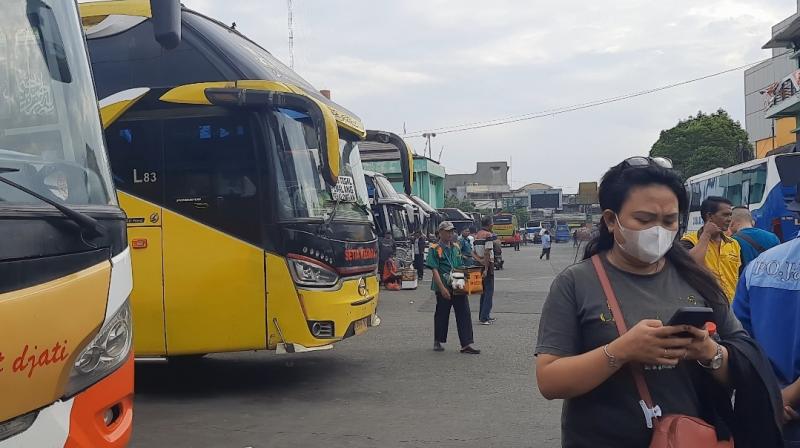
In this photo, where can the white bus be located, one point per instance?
(755, 184)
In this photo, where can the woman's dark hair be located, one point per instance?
(614, 190)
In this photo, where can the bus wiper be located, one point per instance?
(87, 223)
(327, 224)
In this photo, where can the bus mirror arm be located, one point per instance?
(323, 121)
(166, 18)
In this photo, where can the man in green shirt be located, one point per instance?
(443, 257)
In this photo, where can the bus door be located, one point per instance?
(135, 153)
(214, 264)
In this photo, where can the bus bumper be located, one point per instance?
(338, 314)
(99, 417)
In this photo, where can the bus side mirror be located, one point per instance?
(166, 18)
(324, 122)
(406, 156)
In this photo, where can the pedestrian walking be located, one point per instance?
(443, 257)
(420, 243)
(465, 244)
(752, 241)
(712, 247)
(601, 342)
(484, 255)
(546, 245)
(575, 238)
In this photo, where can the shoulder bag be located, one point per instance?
(670, 431)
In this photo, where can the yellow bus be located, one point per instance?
(506, 227)
(66, 365)
(247, 209)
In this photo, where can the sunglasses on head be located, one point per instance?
(641, 161)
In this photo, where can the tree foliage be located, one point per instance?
(704, 142)
(454, 202)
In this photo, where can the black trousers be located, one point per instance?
(419, 263)
(441, 319)
(545, 253)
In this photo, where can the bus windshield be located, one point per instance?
(502, 219)
(50, 136)
(302, 191)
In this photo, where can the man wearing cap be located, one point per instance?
(443, 257)
(483, 253)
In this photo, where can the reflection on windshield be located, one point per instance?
(398, 223)
(350, 165)
(302, 192)
(49, 127)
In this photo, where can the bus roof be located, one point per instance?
(236, 57)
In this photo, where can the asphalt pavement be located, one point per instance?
(386, 388)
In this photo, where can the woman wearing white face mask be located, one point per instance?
(582, 358)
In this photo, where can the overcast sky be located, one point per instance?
(435, 63)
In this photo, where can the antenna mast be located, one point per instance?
(291, 35)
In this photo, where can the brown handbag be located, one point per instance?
(671, 431)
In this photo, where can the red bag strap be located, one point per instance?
(619, 320)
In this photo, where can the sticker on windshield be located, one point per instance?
(344, 190)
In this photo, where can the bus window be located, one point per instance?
(135, 151)
(723, 184)
(211, 173)
(715, 186)
(301, 189)
(735, 188)
(757, 176)
(696, 197)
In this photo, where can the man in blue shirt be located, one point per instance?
(546, 245)
(767, 302)
(752, 240)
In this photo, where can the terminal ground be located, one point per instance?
(386, 388)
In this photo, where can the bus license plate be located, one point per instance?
(361, 325)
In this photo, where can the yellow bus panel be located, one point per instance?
(147, 298)
(45, 327)
(214, 289)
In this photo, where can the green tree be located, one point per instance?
(704, 142)
(454, 202)
(522, 216)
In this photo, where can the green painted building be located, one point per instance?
(428, 174)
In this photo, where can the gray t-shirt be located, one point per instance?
(576, 319)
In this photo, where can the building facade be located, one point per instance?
(486, 187)
(768, 84)
(429, 176)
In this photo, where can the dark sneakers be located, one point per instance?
(437, 347)
(468, 350)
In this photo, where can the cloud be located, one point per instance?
(432, 63)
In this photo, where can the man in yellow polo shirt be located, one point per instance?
(711, 247)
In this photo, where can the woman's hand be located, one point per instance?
(702, 348)
(650, 342)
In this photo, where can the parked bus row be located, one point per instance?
(757, 185)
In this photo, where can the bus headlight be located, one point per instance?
(308, 273)
(104, 354)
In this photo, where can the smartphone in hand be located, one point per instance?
(696, 316)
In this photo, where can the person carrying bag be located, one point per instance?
(629, 379)
(669, 431)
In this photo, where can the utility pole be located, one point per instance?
(291, 34)
(428, 147)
